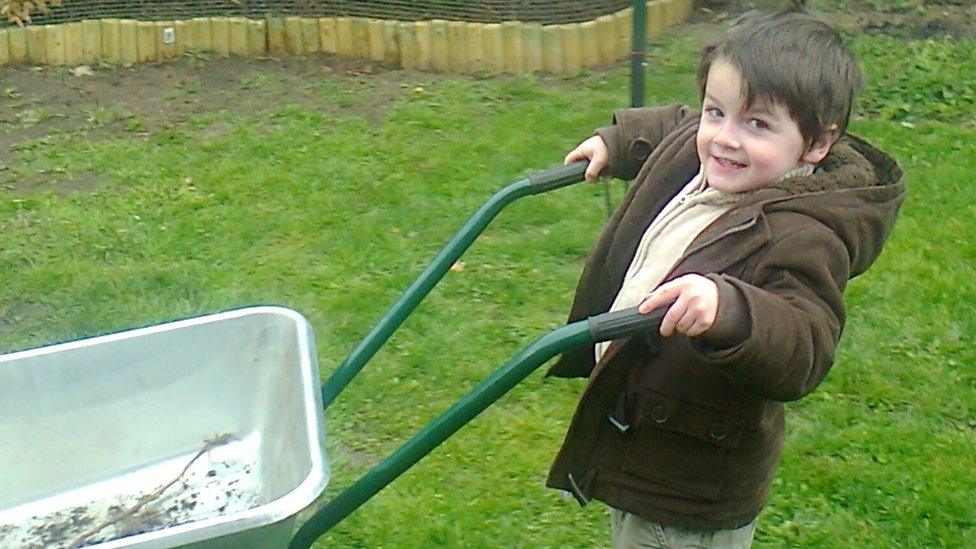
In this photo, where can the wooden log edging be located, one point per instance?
(511, 47)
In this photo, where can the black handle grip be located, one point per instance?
(560, 176)
(624, 323)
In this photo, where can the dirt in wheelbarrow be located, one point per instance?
(205, 485)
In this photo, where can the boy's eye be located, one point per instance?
(714, 112)
(758, 124)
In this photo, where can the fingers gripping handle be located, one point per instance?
(624, 323)
(560, 176)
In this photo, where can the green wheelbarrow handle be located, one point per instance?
(615, 325)
(544, 181)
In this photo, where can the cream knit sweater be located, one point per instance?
(664, 242)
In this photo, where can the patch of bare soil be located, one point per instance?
(40, 103)
(910, 19)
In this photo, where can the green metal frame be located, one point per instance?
(599, 328)
(472, 404)
(541, 182)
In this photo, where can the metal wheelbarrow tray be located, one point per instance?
(201, 429)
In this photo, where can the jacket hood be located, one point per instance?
(856, 191)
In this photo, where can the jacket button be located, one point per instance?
(659, 413)
(718, 431)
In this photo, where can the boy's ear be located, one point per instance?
(817, 150)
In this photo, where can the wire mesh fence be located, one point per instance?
(513, 40)
(481, 11)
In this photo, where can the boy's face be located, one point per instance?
(741, 150)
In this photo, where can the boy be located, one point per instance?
(750, 217)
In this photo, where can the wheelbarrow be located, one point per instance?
(209, 431)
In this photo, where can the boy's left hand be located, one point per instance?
(695, 305)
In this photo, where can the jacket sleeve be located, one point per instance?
(635, 133)
(784, 328)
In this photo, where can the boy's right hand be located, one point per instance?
(593, 149)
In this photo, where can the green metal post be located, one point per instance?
(637, 54)
(472, 404)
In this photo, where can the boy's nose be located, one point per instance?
(727, 137)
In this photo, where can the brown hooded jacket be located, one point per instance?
(688, 431)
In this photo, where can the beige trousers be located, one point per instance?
(630, 531)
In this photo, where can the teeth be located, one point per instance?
(729, 162)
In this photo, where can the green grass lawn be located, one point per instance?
(333, 211)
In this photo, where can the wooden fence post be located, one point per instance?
(391, 42)
(17, 40)
(589, 45)
(344, 40)
(182, 29)
(606, 40)
(572, 48)
(36, 44)
(276, 35)
(220, 36)
(145, 41)
(457, 33)
(552, 50)
(425, 52)
(657, 19)
(494, 48)
(408, 45)
(327, 35)
(164, 49)
(202, 34)
(54, 42)
(532, 46)
(440, 45)
(74, 43)
(257, 37)
(4, 47)
(237, 31)
(476, 47)
(377, 41)
(512, 44)
(360, 38)
(293, 36)
(128, 42)
(310, 35)
(625, 30)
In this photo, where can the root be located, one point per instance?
(148, 498)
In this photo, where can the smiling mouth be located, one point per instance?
(728, 162)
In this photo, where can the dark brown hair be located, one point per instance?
(794, 58)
